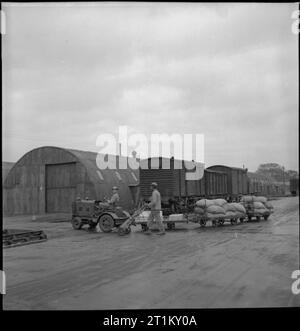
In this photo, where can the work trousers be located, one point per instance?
(155, 217)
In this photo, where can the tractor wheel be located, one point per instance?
(106, 223)
(266, 217)
(76, 223)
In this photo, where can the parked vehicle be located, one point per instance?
(91, 212)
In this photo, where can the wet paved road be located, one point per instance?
(246, 265)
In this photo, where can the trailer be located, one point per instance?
(251, 214)
(92, 212)
(169, 220)
(218, 220)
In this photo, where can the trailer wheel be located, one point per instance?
(171, 226)
(106, 223)
(233, 221)
(202, 223)
(76, 223)
(221, 222)
(144, 227)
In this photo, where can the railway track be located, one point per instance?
(13, 238)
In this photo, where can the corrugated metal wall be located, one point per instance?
(237, 180)
(61, 184)
(171, 182)
(164, 178)
(29, 188)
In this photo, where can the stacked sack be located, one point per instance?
(269, 206)
(230, 211)
(239, 209)
(259, 205)
(219, 208)
(211, 209)
(259, 208)
(235, 210)
(201, 206)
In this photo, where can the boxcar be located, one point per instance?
(177, 192)
(172, 181)
(237, 180)
(215, 184)
(294, 186)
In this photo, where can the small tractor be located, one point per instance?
(92, 212)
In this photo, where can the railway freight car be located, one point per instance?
(179, 194)
(294, 186)
(215, 184)
(259, 184)
(237, 180)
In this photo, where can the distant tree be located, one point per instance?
(276, 172)
(273, 170)
(292, 174)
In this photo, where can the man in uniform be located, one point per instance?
(114, 200)
(155, 206)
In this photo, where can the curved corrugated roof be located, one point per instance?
(127, 176)
(6, 166)
(102, 180)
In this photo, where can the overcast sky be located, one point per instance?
(228, 71)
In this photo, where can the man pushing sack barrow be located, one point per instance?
(155, 206)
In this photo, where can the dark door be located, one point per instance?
(60, 187)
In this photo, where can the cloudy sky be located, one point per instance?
(228, 71)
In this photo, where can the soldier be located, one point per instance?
(114, 200)
(155, 206)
